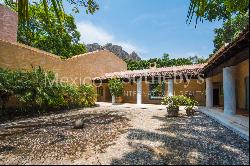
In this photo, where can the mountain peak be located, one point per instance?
(116, 49)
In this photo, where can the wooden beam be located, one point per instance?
(238, 58)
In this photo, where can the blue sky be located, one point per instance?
(149, 27)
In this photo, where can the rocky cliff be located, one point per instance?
(117, 50)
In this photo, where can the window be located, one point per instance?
(100, 91)
(156, 90)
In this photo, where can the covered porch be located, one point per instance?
(227, 78)
(227, 85)
(149, 86)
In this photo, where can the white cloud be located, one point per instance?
(91, 33)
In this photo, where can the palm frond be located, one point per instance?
(22, 7)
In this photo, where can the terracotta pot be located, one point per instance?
(173, 112)
(190, 112)
(119, 99)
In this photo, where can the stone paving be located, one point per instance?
(131, 134)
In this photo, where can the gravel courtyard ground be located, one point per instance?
(120, 135)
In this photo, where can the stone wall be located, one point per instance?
(78, 69)
(8, 24)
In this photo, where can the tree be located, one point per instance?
(230, 30)
(212, 10)
(165, 61)
(22, 7)
(58, 38)
(234, 14)
(197, 60)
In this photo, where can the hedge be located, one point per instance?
(40, 89)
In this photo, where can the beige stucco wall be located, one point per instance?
(8, 24)
(79, 69)
(130, 90)
(130, 93)
(194, 87)
(242, 72)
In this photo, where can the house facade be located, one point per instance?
(222, 82)
(151, 85)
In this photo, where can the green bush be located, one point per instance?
(40, 89)
(174, 102)
(6, 87)
(37, 88)
(116, 87)
(87, 95)
(70, 94)
(190, 103)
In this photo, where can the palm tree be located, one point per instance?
(22, 7)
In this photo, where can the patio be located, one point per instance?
(237, 123)
(121, 134)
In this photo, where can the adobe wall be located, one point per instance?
(8, 24)
(79, 69)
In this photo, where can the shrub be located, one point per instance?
(6, 88)
(174, 102)
(88, 95)
(40, 89)
(190, 104)
(70, 94)
(116, 87)
(37, 88)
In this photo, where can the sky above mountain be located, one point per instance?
(149, 27)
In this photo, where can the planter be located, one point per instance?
(173, 112)
(190, 112)
(118, 99)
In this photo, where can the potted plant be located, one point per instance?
(190, 104)
(173, 103)
(116, 90)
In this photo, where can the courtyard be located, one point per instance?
(120, 134)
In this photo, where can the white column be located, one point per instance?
(229, 91)
(139, 91)
(113, 99)
(209, 92)
(170, 87)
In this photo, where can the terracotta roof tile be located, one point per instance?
(187, 69)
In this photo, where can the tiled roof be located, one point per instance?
(178, 70)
